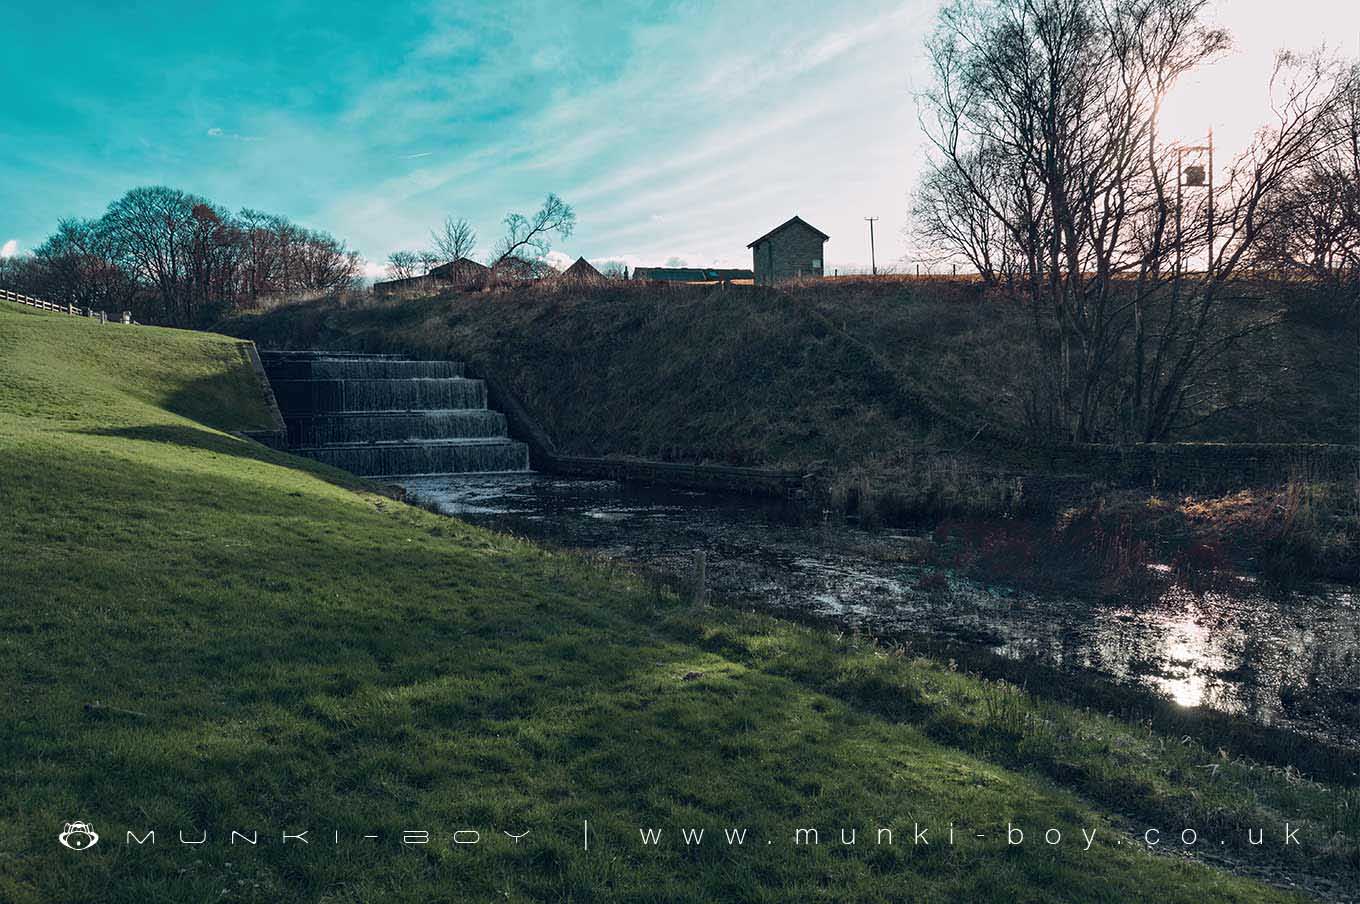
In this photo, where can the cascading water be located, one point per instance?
(384, 416)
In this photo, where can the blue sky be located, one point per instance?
(677, 129)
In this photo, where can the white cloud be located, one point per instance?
(10, 248)
(559, 260)
(694, 178)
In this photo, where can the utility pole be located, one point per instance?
(1210, 267)
(873, 263)
(1195, 177)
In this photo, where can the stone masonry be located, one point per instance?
(789, 251)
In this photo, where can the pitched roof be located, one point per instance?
(785, 225)
(462, 266)
(582, 271)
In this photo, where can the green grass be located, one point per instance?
(272, 645)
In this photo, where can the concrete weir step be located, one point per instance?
(385, 427)
(386, 415)
(454, 456)
(359, 369)
(301, 397)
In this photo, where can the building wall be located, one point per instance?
(788, 255)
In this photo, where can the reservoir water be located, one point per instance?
(1290, 660)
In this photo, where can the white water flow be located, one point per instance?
(382, 416)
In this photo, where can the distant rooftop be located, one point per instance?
(785, 225)
(582, 271)
(690, 274)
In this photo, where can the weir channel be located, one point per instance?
(383, 416)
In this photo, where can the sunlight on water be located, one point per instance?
(1288, 659)
(1187, 652)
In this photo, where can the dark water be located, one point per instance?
(1292, 661)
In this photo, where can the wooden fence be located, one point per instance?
(19, 298)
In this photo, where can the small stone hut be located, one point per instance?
(791, 250)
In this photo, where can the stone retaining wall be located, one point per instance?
(276, 437)
(543, 456)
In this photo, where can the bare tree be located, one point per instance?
(78, 264)
(527, 239)
(956, 210)
(151, 226)
(261, 260)
(403, 264)
(454, 240)
(323, 263)
(1313, 227)
(1050, 174)
(428, 261)
(176, 258)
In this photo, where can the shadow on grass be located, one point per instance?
(306, 666)
(208, 440)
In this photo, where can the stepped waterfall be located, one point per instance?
(386, 416)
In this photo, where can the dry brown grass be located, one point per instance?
(874, 382)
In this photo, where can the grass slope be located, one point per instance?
(272, 646)
(848, 372)
(684, 373)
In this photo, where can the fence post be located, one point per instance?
(127, 317)
(698, 580)
(70, 309)
(103, 318)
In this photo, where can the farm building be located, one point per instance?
(583, 272)
(790, 250)
(463, 270)
(690, 274)
(464, 273)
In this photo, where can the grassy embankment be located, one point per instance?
(882, 386)
(200, 633)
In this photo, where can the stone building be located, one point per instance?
(788, 251)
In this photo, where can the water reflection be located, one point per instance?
(1292, 661)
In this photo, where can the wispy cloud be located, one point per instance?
(684, 144)
(676, 128)
(216, 132)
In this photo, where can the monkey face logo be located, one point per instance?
(78, 836)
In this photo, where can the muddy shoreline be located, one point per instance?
(1275, 671)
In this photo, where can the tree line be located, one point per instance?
(520, 251)
(176, 258)
(1050, 173)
